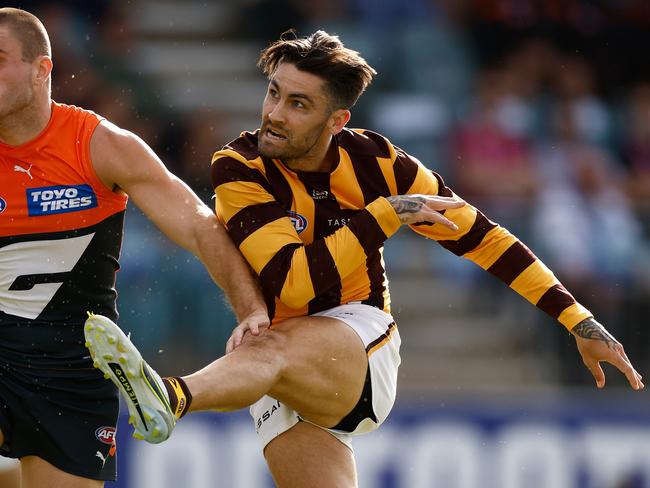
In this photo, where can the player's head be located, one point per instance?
(345, 73)
(25, 60)
(314, 81)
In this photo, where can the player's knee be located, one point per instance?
(270, 344)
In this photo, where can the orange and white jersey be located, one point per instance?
(60, 227)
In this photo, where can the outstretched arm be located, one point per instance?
(502, 254)
(125, 163)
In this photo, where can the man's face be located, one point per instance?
(295, 114)
(16, 75)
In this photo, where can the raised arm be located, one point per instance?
(125, 163)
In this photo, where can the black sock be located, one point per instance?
(180, 397)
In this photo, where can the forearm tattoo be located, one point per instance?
(406, 204)
(590, 329)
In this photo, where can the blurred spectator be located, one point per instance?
(492, 149)
(533, 64)
(582, 199)
(574, 84)
(636, 146)
(204, 134)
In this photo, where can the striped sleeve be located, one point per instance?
(290, 270)
(490, 246)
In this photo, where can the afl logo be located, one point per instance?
(3, 205)
(105, 435)
(299, 222)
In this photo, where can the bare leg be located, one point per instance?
(37, 473)
(315, 365)
(325, 462)
(10, 477)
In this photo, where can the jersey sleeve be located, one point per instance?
(490, 246)
(291, 270)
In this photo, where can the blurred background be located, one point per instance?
(535, 111)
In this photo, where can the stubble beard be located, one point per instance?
(291, 151)
(268, 150)
(272, 152)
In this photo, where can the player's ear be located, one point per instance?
(338, 119)
(42, 68)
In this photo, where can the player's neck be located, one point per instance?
(321, 158)
(25, 124)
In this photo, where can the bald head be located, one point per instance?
(28, 31)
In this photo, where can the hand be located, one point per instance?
(253, 324)
(595, 345)
(412, 209)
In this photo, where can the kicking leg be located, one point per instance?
(315, 365)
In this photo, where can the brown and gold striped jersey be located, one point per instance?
(316, 239)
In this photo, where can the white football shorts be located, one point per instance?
(7, 464)
(380, 336)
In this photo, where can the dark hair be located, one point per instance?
(29, 31)
(345, 72)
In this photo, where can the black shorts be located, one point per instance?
(66, 416)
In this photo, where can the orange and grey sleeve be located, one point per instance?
(292, 271)
(490, 246)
